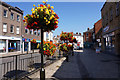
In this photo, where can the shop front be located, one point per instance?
(2, 46)
(13, 45)
(26, 44)
(109, 40)
(9, 44)
(34, 45)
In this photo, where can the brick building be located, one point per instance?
(98, 32)
(88, 37)
(111, 27)
(27, 36)
(10, 28)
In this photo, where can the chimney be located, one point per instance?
(88, 28)
(80, 34)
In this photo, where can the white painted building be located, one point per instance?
(79, 39)
(48, 36)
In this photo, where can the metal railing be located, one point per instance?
(17, 66)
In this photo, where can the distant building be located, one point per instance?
(48, 36)
(10, 28)
(79, 39)
(88, 38)
(27, 36)
(111, 27)
(98, 33)
(56, 39)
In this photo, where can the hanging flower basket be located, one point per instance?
(48, 47)
(66, 36)
(42, 17)
(33, 41)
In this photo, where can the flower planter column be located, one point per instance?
(72, 49)
(67, 57)
(42, 70)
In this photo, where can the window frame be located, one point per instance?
(117, 8)
(11, 16)
(13, 28)
(27, 31)
(18, 30)
(111, 14)
(18, 19)
(6, 13)
(4, 28)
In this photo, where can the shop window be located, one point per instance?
(2, 46)
(5, 13)
(117, 8)
(4, 27)
(18, 18)
(12, 29)
(17, 30)
(12, 16)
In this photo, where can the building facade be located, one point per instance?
(79, 39)
(48, 36)
(27, 36)
(88, 37)
(10, 28)
(110, 13)
(98, 33)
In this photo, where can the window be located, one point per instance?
(18, 18)
(17, 30)
(111, 14)
(35, 32)
(12, 16)
(4, 27)
(117, 8)
(106, 18)
(12, 29)
(26, 30)
(38, 32)
(31, 31)
(87, 38)
(5, 13)
(87, 34)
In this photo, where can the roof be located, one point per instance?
(91, 30)
(11, 7)
(77, 35)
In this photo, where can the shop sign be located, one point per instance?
(108, 35)
(38, 41)
(28, 40)
(23, 39)
(106, 29)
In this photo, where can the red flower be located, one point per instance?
(36, 23)
(28, 26)
(41, 5)
(23, 20)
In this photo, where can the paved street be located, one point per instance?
(85, 64)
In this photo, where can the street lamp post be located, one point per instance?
(42, 70)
